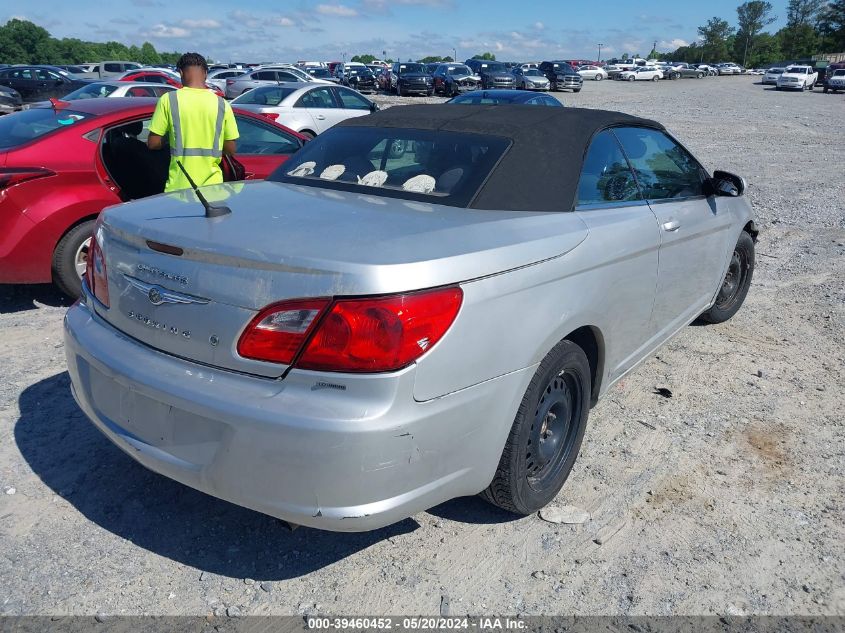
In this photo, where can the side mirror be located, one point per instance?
(724, 183)
(374, 107)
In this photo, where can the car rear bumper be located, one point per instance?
(303, 449)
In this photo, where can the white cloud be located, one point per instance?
(163, 31)
(539, 26)
(340, 10)
(671, 45)
(205, 23)
(282, 21)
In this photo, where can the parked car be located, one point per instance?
(797, 78)
(562, 76)
(687, 70)
(669, 71)
(728, 69)
(709, 70)
(300, 74)
(411, 78)
(402, 284)
(384, 79)
(217, 78)
(10, 100)
(308, 109)
(492, 74)
(596, 73)
(236, 86)
(322, 74)
(358, 78)
(109, 69)
(163, 77)
(62, 165)
(35, 83)
(498, 97)
(829, 71)
(451, 79)
(110, 89)
(431, 67)
(835, 81)
(772, 74)
(642, 73)
(73, 70)
(530, 79)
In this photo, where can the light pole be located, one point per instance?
(599, 59)
(455, 58)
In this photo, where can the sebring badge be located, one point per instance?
(159, 295)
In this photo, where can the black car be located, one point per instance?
(499, 97)
(10, 100)
(452, 79)
(493, 74)
(36, 83)
(411, 78)
(361, 79)
(322, 73)
(562, 76)
(431, 67)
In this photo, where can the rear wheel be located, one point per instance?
(631, 78)
(656, 78)
(546, 434)
(308, 134)
(71, 257)
(736, 282)
(599, 77)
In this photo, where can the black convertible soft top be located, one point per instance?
(541, 169)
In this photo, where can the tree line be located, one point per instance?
(812, 27)
(23, 42)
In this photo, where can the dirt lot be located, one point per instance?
(729, 495)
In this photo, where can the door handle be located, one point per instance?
(321, 117)
(671, 226)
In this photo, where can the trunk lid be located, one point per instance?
(286, 241)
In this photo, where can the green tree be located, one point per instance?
(752, 17)
(149, 55)
(715, 35)
(832, 26)
(363, 59)
(490, 57)
(23, 42)
(766, 51)
(799, 38)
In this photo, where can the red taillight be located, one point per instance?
(355, 335)
(95, 272)
(279, 330)
(382, 333)
(229, 82)
(270, 115)
(16, 175)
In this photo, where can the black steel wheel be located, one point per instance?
(736, 282)
(546, 434)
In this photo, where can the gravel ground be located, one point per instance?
(726, 498)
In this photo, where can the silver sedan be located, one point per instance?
(389, 321)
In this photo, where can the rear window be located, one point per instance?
(268, 95)
(28, 125)
(435, 166)
(91, 91)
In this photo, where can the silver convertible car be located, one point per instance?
(420, 304)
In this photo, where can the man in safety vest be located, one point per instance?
(199, 125)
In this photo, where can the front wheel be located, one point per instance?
(656, 78)
(546, 434)
(599, 77)
(736, 283)
(71, 258)
(631, 78)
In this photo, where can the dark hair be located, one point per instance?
(192, 59)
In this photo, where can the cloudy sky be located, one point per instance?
(327, 29)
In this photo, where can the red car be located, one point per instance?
(60, 166)
(159, 77)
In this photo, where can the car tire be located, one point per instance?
(631, 78)
(576, 90)
(656, 78)
(69, 258)
(599, 77)
(546, 435)
(825, 90)
(699, 75)
(308, 134)
(736, 283)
